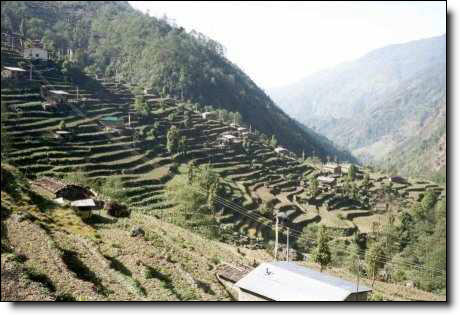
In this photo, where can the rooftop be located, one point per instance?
(288, 281)
(59, 92)
(83, 203)
(15, 69)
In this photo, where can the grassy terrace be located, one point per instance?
(144, 165)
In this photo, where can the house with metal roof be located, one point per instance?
(288, 281)
(14, 73)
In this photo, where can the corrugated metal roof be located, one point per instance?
(83, 203)
(15, 69)
(59, 92)
(288, 281)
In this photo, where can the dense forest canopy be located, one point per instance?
(112, 39)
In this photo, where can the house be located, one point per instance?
(281, 150)
(63, 135)
(83, 207)
(36, 52)
(326, 180)
(54, 99)
(63, 190)
(209, 115)
(14, 73)
(227, 139)
(332, 168)
(228, 275)
(112, 122)
(397, 180)
(288, 281)
(149, 92)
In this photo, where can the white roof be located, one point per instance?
(326, 179)
(59, 92)
(228, 136)
(83, 203)
(241, 129)
(287, 281)
(15, 69)
(62, 132)
(280, 149)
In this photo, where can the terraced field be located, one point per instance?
(254, 178)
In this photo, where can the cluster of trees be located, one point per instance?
(112, 39)
(413, 237)
(194, 193)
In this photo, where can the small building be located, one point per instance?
(36, 52)
(83, 207)
(228, 139)
(281, 150)
(332, 168)
(149, 92)
(326, 180)
(397, 180)
(54, 99)
(14, 73)
(209, 115)
(288, 281)
(63, 135)
(228, 275)
(63, 190)
(112, 122)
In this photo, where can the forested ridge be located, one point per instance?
(113, 40)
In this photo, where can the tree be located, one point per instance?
(141, 106)
(113, 188)
(62, 125)
(352, 172)
(322, 253)
(274, 141)
(183, 145)
(374, 261)
(314, 186)
(172, 139)
(366, 181)
(5, 144)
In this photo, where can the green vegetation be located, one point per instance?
(322, 253)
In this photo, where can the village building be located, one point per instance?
(288, 281)
(36, 52)
(83, 207)
(149, 92)
(281, 150)
(228, 275)
(63, 135)
(54, 99)
(332, 168)
(326, 180)
(162, 100)
(112, 122)
(63, 190)
(397, 180)
(14, 73)
(209, 115)
(227, 139)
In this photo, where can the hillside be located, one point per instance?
(113, 40)
(379, 105)
(255, 181)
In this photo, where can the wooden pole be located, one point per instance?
(276, 237)
(287, 249)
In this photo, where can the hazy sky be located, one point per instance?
(278, 43)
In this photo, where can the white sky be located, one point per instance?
(278, 43)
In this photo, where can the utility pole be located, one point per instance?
(78, 94)
(276, 237)
(30, 72)
(357, 281)
(287, 248)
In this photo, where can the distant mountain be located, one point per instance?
(389, 103)
(110, 38)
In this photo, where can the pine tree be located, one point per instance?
(322, 253)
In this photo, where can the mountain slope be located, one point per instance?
(379, 103)
(112, 39)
